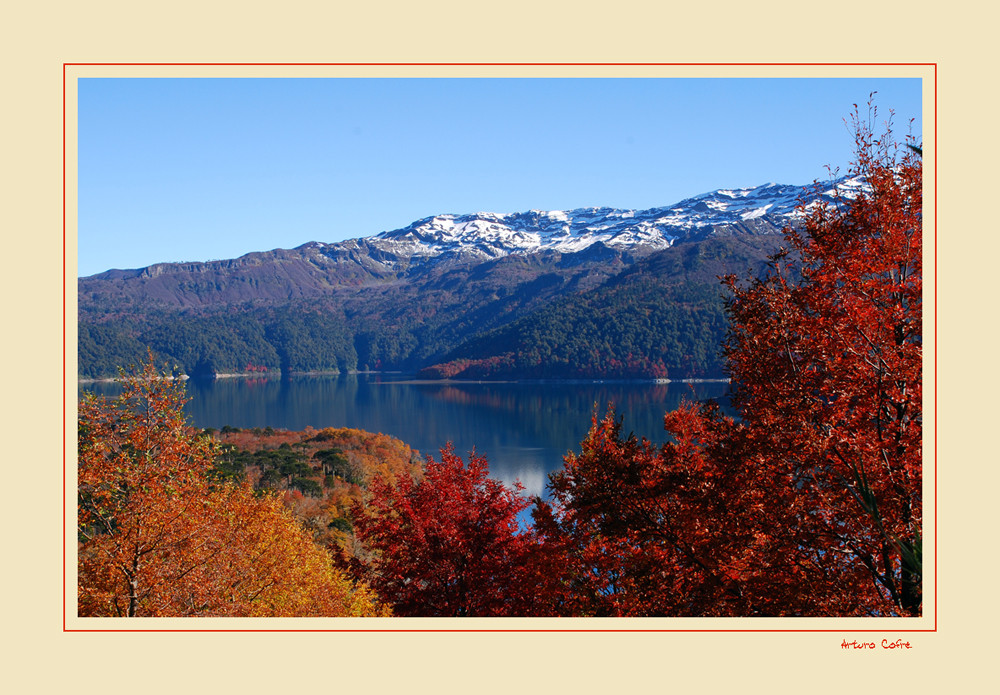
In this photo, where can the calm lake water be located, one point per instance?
(524, 429)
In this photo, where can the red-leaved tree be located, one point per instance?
(810, 502)
(449, 543)
(829, 371)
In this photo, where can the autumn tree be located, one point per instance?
(161, 535)
(449, 543)
(810, 502)
(828, 364)
(639, 528)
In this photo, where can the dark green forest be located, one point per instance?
(639, 330)
(657, 316)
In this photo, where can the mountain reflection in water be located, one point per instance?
(523, 428)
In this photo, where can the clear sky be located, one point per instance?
(198, 169)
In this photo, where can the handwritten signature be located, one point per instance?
(886, 644)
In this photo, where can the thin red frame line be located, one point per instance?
(936, 525)
(824, 630)
(64, 344)
(506, 65)
(376, 630)
(509, 65)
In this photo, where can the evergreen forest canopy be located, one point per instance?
(599, 313)
(807, 504)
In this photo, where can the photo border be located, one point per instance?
(926, 623)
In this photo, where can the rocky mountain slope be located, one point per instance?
(411, 298)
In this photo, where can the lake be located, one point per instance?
(523, 428)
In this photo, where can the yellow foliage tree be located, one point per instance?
(159, 535)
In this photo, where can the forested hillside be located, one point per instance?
(598, 313)
(661, 317)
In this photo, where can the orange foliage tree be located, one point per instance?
(159, 535)
(810, 503)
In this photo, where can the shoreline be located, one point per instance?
(423, 382)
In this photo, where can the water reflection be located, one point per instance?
(524, 429)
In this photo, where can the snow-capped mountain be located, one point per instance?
(410, 298)
(443, 242)
(486, 235)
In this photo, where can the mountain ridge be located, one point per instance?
(488, 235)
(425, 296)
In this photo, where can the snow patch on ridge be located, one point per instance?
(493, 235)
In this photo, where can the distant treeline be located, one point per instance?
(206, 344)
(662, 316)
(641, 330)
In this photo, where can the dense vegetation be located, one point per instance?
(318, 474)
(604, 316)
(220, 341)
(164, 531)
(638, 330)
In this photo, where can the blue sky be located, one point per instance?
(198, 169)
